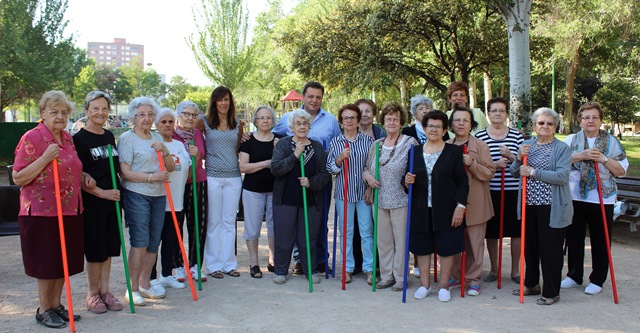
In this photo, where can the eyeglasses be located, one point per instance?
(594, 118)
(301, 124)
(55, 114)
(434, 127)
(350, 118)
(460, 120)
(264, 118)
(190, 115)
(542, 123)
(148, 116)
(497, 111)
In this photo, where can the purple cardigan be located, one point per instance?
(198, 140)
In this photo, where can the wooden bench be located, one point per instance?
(629, 195)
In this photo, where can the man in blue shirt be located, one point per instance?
(324, 127)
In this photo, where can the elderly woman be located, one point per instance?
(548, 201)
(458, 93)
(392, 201)
(37, 220)
(144, 196)
(257, 192)
(186, 113)
(369, 111)
(420, 105)
(503, 142)
(165, 124)
(356, 154)
(224, 185)
(101, 230)
(438, 168)
(288, 206)
(480, 170)
(589, 146)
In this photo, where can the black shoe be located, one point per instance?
(271, 268)
(320, 268)
(50, 319)
(64, 313)
(297, 269)
(357, 270)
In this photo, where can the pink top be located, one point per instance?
(198, 141)
(38, 197)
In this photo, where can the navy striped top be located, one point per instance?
(513, 140)
(359, 150)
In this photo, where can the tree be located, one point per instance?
(177, 90)
(620, 100)
(143, 82)
(84, 83)
(220, 47)
(516, 16)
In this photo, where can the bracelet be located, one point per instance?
(163, 155)
(606, 159)
(462, 206)
(533, 172)
(149, 179)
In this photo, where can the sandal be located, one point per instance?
(255, 272)
(528, 291)
(233, 273)
(217, 275)
(548, 301)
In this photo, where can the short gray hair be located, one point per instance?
(273, 114)
(186, 104)
(419, 99)
(163, 112)
(545, 112)
(297, 114)
(140, 101)
(92, 96)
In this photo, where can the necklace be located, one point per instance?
(393, 151)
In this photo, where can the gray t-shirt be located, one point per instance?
(138, 154)
(222, 157)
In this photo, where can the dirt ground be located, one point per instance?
(245, 304)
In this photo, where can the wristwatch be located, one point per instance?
(462, 206)
(606, 159)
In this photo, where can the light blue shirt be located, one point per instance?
(324, 128)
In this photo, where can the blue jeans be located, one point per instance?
(365, 224)
(145, 217)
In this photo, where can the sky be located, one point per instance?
(160, 25)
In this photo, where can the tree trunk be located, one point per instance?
(403, 94)
(570, 92)
(472, 91)
(516, 15)
(487, 91)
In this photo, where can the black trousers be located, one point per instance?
(189, 214)
(289, 228)
(543, 247)
(168, 246)
(585, 215)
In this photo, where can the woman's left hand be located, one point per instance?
(193, 151)
(525, 171)
(158, 146)
(467, 160)
(458, 216)
(304, 181)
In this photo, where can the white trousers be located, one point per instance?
(224, 197)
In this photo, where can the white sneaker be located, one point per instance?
(592, 289)
(179, 274)
(194, 274)
(279, 279)
(171, 282)
(416, 272)
(568, 283)
(156, 291)
(315, 279)
(137, 299)
(422, 292)
(444, 295)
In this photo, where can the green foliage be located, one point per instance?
(620, 100)
(142, 82)
(200, 96)
(220, 47)
(177, 91)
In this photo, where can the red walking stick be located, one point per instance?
(175, 225)
(606, 235)
(522, 231)
(501, 230)
(345, 214)
(463, 269)
(63, 244)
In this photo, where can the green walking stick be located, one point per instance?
(119, 215)
(195, 214)
(375, 220)
(306, 225)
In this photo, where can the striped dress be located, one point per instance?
(513, 140)
(359, 150)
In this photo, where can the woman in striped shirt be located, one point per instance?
(503, 142)
(356, 155)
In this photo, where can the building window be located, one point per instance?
(101, 46)
(101, 52)
(101, 58)
(134, 53)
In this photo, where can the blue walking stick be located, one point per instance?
(406, 250)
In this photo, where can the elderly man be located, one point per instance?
(324, 127)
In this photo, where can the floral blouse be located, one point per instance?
(38, 197)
